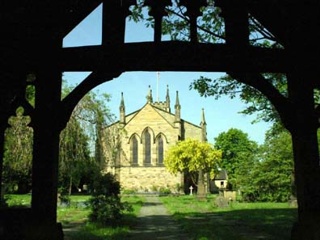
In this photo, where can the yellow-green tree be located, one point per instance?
(195, 158)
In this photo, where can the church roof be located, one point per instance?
(162, 108)
(167, 116)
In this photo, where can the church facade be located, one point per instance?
(135, 146)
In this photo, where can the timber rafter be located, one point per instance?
(172, 56)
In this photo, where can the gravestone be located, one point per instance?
(221, 202)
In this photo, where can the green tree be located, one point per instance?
(18, 146)
(272, 177)
(255, 101)
(74, 155)
(18, 154)
(193, 157)
(79, 153)
(238, 155)
(80, 142)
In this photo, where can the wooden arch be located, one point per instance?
(31, 42)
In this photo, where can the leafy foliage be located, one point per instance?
(211, 29)
(74, 154)
(238, 155)
(77, 144)
(272, 177)
(18, 154)
(191, 156)
(255, 101)
(106, 206)
(80, 152)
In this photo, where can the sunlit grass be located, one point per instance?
(202, 219)
(25, 199)
(76, 216)
(15, 200)
(199, 218)
(68, 215)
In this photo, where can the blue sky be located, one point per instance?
(221, 114)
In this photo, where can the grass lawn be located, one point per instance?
(74, 217)
(76, 227)
(201, 219)
(18, 200)
(242, 221)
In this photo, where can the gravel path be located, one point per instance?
(154, 222)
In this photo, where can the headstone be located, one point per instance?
(293, 202)
(191, 188)
(221, 202)
(230, 195)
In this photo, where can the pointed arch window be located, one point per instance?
(147, 147)
(160, 150)
(134, 147)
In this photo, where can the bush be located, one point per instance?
(106, 185)
(164, 191)
(107, 210)
(129, 191)
(106, 206)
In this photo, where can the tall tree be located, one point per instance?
(74, 154)
(80, 150)
(18, 154)
(271, 179)
(18, 146)
(238, 155)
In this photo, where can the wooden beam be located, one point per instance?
(172, 56)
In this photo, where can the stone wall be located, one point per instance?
(141, 176)
(230, 195)
(148, 179)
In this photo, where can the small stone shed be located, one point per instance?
(219, 182)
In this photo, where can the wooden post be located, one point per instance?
(157, 10)
(46, 124)
(235, 14)
(303, 127)
(193, 12)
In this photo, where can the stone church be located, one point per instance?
(136, 145)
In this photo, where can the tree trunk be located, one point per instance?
(201, 186)
(70, 186)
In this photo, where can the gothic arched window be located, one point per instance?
(160, 150)
(147, 147)
(134, 147)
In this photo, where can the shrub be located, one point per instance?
(107, 210)
(106, 206)
(164, 191)
(129, 191)
(106, 185)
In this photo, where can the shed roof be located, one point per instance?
(222, 175)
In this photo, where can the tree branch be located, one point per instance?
(280, 102)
